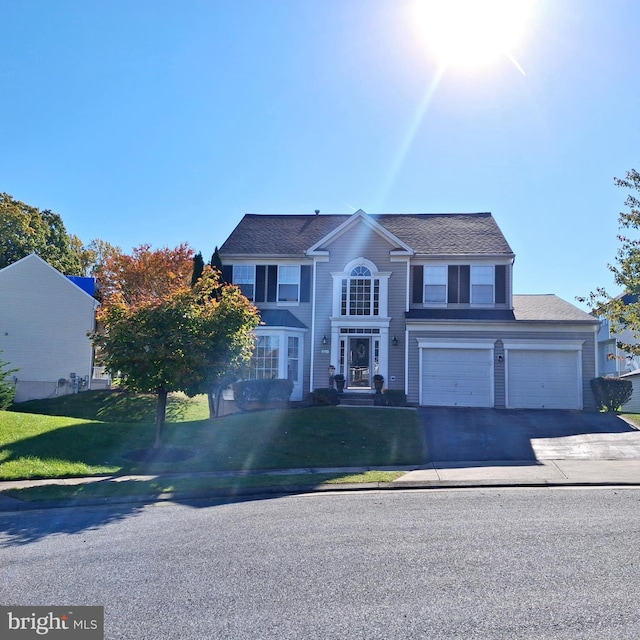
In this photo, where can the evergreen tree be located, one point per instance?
(198, 268)
(7, 387)
(216, 261)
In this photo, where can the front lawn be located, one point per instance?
(40, 446)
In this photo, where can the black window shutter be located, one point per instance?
(452, 281)
(418, 279)
(465, 283)
(272, 282)
(501, 283)
(261, 274)
(305, 283)
(227, 273)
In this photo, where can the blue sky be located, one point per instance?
(159, 122)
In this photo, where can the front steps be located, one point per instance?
(357, 399)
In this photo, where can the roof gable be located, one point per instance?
(35, 262)
(359, 217)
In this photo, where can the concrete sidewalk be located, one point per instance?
(436, 475)
(526, 472)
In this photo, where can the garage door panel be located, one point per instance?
(457, 377)
(543, 379)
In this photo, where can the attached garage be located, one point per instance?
(456, 375)
(544, 376)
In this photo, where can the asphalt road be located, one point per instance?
(489, 564)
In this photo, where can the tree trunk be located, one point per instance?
(211, 396)
(161, 415)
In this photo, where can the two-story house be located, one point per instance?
(425, 300)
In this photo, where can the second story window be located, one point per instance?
(360, 293)
(288, 283)
(435, 284)
(482, 282)
(244, 275)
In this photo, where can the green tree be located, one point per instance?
(185, 341)
(25, 229)
(7, 387)
(624, 313)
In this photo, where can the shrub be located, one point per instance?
(611, 393)
(395, 397)
(7, 388)
(262, 392)
(325, 397)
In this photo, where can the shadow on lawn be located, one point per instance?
(108, 406)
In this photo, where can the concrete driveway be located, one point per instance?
(461, 434)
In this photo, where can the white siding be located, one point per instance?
(44, 322)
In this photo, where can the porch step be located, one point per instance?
(356, 399)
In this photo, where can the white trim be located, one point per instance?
(313, 323)
(536, 345)
(506, 327)
(435, 343)
(359, 215)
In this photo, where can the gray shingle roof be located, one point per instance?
(426, 233)
(280, 318)
(548, 307)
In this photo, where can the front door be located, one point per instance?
(360, 363)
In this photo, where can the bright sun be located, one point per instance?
(471, 33)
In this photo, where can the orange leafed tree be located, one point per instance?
(146, 276)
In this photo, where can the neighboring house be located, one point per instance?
(425, 300)
(633, 406)
(45, 319)
(613, 361)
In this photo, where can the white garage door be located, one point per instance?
(543, 379)
(457, 377)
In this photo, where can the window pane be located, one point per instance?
(289, 274)
(265, 359)
(435, 293)
(244, 276)
(482, 275)
(435, 275)
(292, 358)
(482, 285)
(482, 293)
(288, 293)
(435, 284)
(360, 297)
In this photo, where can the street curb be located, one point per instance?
(276, 491)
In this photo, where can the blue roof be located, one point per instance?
(88, 285)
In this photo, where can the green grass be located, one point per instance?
(117, 406)
(192, 486)
(33, 445)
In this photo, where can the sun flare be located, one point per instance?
(472, 33)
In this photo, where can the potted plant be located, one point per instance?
(378, 381)
(339, 380)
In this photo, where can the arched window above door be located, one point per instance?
(360, 289)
